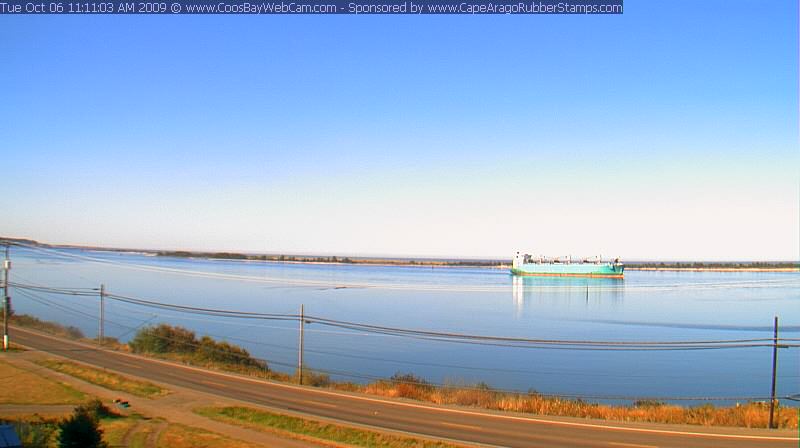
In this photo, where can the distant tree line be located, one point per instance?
(717, 264)
(328, 259)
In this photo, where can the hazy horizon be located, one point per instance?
(669, 132)
(363, 255)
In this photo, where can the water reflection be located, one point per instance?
(565, 291)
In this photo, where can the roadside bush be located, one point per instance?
(648, 403)
(166, 339)
(226, 353)
(163, 338)
(408, 378)
(311, 378)
(97, 410)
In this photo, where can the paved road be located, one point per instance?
(460, 424)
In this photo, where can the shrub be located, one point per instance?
(166, 339)
(97, 410)
(648, 403)
(163, 338)
(310, 378)
(223, 352)
(408, 378)
(81, 430)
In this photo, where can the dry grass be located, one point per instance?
(134, 431)
(748, 415)
(283, 424)
(115, 430)
(19, 386)
(139, 438)
(56, 329)
(192, 360)
(179, 436)
(106, 379)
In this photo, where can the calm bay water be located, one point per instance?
(645, 306)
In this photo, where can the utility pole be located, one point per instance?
(101, 329)
(774, 374)
(6, 299)
(300, 354)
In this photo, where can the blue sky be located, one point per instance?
(669, 132)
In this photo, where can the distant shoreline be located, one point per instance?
(714, 269)
(686, 266)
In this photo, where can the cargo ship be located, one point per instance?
(526, 264)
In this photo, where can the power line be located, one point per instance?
(350, 374)
(31, 283)
(395, 330)
(63, 291)
(323, 352)
(199, 310)
(446, 336)
(48, 303)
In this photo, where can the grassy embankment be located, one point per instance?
(182, 345)
(179, 344)
(169, 343)
(749, 415)
(297, 427)
(104, 378)
(56, 329)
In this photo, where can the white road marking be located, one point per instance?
(631, 445)
(456, 425)
(317, 403)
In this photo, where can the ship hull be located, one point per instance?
(604, 270)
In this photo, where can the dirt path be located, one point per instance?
(152, 437)
(126, 440)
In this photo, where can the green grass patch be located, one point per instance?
(105, 379)
(268, 421)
